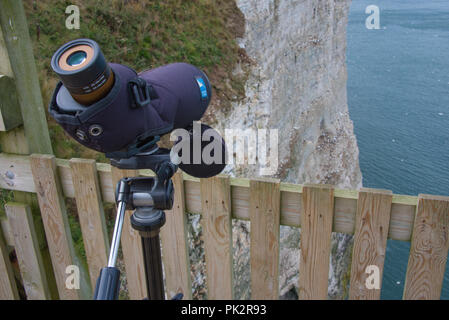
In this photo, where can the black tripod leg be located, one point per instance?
(153, 267)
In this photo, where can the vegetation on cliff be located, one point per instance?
(142, 34)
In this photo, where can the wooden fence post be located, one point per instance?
(10, 116)
(175, 250)
(316, 232)
(265, 207)
(27, 250)
(429, 248)
(217, 230)
(56, 225)
(131, 247)
(20, 51)
(370, 242)
(91, 215)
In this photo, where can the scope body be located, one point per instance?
(110, 108)
(138, 107)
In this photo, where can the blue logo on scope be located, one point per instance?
(203, 87)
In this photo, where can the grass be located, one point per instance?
(142, 34)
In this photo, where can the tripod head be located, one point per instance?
(156, 192)
(148, 197)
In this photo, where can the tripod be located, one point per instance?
(148, 197)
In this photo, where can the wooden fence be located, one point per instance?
(373, 216)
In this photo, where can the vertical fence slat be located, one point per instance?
(175, 251)
(217, 232)
(370, 241)
(8, 288)
(265, 206)
(131, 247)
(56, 224)
(429, 249)
(91, 215)
(316, 231)
(27, 250)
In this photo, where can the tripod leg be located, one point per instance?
(108, 283)
(153, 266)
(117, 234)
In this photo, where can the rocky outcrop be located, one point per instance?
(297, 84)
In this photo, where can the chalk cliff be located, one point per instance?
(297, 84)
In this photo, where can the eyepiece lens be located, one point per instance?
(76, 58)
(83, 70)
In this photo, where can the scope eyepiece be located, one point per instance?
(83, 70)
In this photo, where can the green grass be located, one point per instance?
(142, 34)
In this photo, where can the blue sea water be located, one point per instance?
(398, 96)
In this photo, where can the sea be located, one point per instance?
(398, 96)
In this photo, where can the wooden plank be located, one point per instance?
(131, 248)
(91, 215)
(217, 232)
(104, 177)
(401, 221)
(291, 207)
(28, 253)
(344, 215)
(13, 141)
(5, 64)
(20, 51)
(193, 197)
(56, 225)
(429, 248)
(175, 250)
(15, 174)
(6, 231)
(316, 231)
(240, 201)
(10, 116)
(370, 241)
(265, 206)
(8, 288)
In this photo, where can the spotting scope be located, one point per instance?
(110, 108)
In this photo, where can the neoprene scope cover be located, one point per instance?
(137, 107)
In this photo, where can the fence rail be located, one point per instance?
(373, 216)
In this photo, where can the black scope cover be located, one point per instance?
(181, 93)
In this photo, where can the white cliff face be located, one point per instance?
(297, 84)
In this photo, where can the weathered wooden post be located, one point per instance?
(20, 52)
